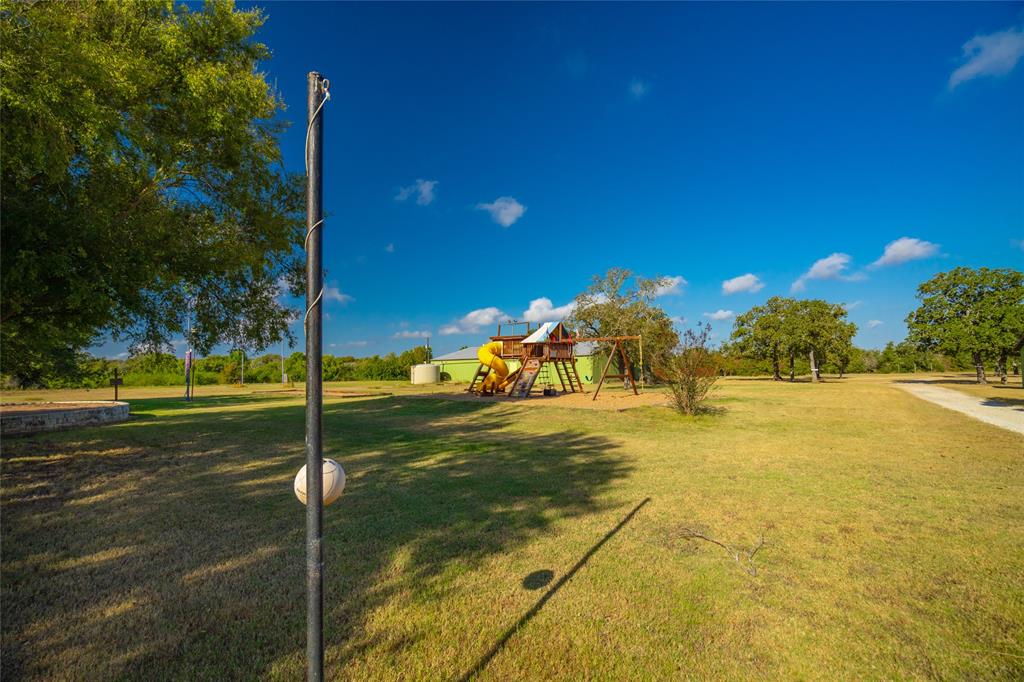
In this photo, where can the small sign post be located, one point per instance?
(115, 382)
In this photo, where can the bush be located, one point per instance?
(692, 371)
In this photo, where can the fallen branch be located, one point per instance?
(747, 564)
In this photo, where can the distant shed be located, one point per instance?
(460, 366)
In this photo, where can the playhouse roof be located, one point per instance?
(461, 354)
(541, 335)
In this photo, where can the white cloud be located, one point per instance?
(995, 54)
(720, 314)
(853, 305)
(390, 248)
(905, 249)
(678, 319)
(504, 210)
(873, 323)
(670, 285)
(332, 293)
(122, 355)
(748, 282)
(542, 310)
(423, 189)
(283, 293)
(1017, 244)
(472, 321)
(830, 267)
(412, 334)
(639, 88)
(358, 344)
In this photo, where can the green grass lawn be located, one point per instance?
(506, 543)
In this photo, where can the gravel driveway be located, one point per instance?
(1010, 417)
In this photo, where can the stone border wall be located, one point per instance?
(91, 413)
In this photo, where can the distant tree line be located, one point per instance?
(164, 369)
(967, 319)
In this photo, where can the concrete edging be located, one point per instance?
(50, 417)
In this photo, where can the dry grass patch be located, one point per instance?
(511, 542)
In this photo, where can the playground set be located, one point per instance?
(544, 354)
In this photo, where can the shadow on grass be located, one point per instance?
(1013, 403)
(173, 547)
(535, 609)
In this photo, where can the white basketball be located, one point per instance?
(334, 482)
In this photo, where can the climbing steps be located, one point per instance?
(568, 377)
(481, 373)
(527, 377)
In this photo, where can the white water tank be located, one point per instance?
(426, 374)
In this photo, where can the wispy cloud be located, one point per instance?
(639, 88)
(720, 314)
(333, 293)
(1017, 244)
(504, 210)
(669, 285)
(542, 310)
(678, 319)
(830, 267)
(390, 248)
(905, 249)
(356, 344)
(853, 305)
(423, 189)
(473, 321)
(874, 323)
(994, 54)
(748, 282)
(412, 334)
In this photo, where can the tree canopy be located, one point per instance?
(975, 311)
(785, 327)
(141, 176)
(760, 332)
(619, 303)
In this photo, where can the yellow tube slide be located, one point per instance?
(489, 354)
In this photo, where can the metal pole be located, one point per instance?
(314, 380)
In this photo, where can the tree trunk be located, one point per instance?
(792, 367)
(814, 367)
(979, 368)
(1002, 366)
(776, 374)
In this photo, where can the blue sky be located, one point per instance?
(781, 147)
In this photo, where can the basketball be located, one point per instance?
(334, 482)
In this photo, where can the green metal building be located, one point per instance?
(460, 366)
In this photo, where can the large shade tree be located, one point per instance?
(761, 332)
(975, 311)
(785, 327)
(818, 329)
(620, 303)
(141, 177)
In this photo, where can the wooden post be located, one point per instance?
(604, 372)
(115, 382)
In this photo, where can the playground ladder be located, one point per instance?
(482, 371)
(568, 376)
